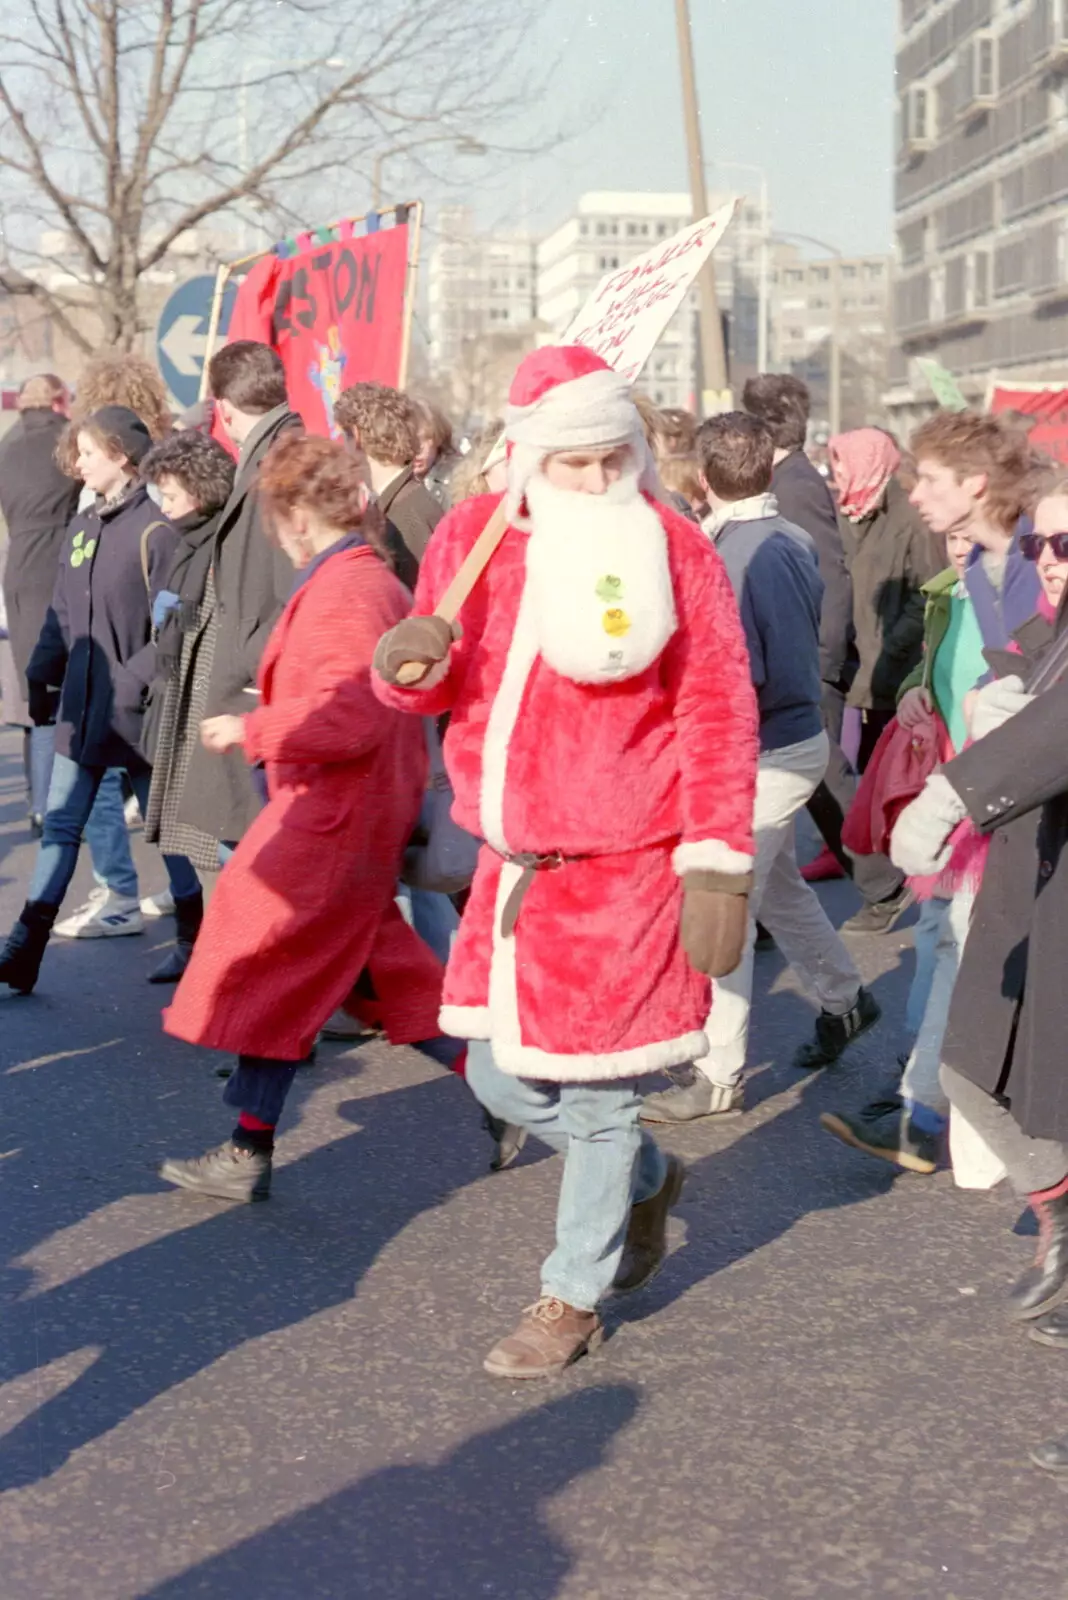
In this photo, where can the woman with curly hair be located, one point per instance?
(305, 906)
(193, 477)
(113, 379)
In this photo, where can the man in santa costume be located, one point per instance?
(603, 743)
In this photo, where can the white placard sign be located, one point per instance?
(631, 306)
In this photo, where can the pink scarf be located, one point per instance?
(863, 462)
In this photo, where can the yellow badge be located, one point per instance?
(616, 623)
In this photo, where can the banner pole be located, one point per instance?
(221, 278)
(411, 289)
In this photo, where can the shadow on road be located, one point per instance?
(167, 1310)
(474, 1524)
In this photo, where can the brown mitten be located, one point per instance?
(715, 916)
(423, 641)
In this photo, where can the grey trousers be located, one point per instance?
(1032, 1164)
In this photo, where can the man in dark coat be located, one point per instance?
(383, 425)
(37, 501)
(251, 582)
(782, 402)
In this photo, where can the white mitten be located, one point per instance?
(919, 844)
(995, 703)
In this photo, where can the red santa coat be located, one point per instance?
(640, 780)
(307, 899)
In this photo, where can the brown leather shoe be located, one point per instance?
(549, 1337)
(646, 1242)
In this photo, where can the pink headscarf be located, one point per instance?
(863, 462)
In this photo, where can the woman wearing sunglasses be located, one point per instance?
(1003, 1055)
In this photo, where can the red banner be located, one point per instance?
(334, 313)
(1050, 409)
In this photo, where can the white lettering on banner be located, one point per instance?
(630, 307)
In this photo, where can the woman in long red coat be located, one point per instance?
(306, 904)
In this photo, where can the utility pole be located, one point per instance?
(715, 394)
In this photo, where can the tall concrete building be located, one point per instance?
(982, 181)
(814, 303)
(482, 310)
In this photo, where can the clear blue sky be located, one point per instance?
(803, 88)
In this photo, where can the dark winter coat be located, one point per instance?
(37, 501)
(891, 555)
(253, 580)
(97, 638)
(1009, 1015)
(411, 514)
(806, 500)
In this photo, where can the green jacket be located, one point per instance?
(939, 596)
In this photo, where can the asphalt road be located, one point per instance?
(819, 1396)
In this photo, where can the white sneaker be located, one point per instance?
(158, 905)
(104, 916)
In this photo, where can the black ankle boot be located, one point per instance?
(1045, 1283)
(21, 956)
(188, 915)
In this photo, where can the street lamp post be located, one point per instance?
(835, 352)
(463, 147)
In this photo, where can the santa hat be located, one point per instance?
(566, 397)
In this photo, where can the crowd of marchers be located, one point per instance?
(465, 833)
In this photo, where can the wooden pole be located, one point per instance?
(714, 380)
(471, 569)
(410, 290)
(221, 278)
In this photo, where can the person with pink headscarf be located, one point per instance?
(891, 555)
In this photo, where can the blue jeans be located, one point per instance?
(260, 1086)
(71, 797)
(610, 1163)
(433, 916)
(106, 832)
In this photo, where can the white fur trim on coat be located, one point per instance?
(527, 1061)
(710, 855)
(522, 653)
(465, 1022)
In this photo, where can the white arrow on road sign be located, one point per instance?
(184, 343)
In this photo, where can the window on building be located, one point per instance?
(793, 275)
(875, 269)
(602, 229)
(645, 230)
(821, 274)
(584, 228)
(663, 229)
(632, 230)
(848, 269)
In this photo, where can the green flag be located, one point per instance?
(944, 385)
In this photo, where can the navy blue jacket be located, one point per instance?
(1000, 612)
(774, 572)
(97, 637)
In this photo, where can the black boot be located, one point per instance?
(1045, 1284)
(20, 959)
(188, 915)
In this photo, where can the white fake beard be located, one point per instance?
(599, 580)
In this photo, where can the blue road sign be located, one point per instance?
(182, 334)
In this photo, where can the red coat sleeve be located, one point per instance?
(449, 544)
(333, 636)
(716, 717)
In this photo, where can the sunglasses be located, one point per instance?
(1032, 545)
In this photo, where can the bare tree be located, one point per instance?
(125, 124)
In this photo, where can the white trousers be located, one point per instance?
(787, 906)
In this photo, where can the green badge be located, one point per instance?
(609, 589)
(82, 550)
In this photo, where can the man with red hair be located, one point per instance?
(603, 743)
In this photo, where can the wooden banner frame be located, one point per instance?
(227, 269)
